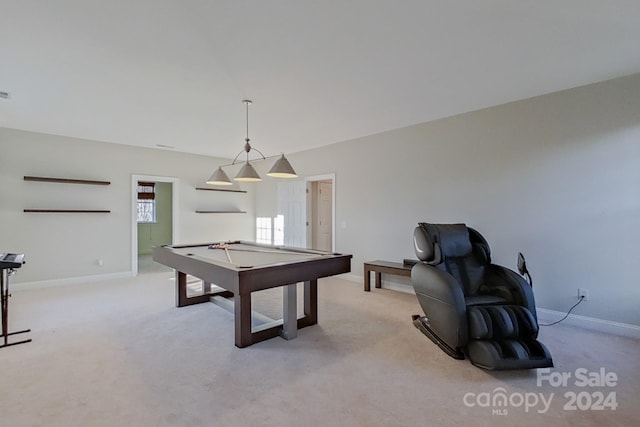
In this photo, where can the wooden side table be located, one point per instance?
(386, 267)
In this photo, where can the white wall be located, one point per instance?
(61, 246)
(556, 177)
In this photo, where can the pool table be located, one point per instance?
(235, 269)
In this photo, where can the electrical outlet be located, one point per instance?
(583, 293)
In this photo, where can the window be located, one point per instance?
(146, 202)
(270, 230)
(263, 230)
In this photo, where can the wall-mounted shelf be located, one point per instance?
(65, 211)
(221, 189)
(226, 190)
(221, 211)
(65, 180)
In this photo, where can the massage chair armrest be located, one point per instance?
(507, 284)
(438, 285)
(443, 303)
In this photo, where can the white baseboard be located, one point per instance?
(69, 281)
(388, 284)
(591, 323)
(407, 289)
(544, 315)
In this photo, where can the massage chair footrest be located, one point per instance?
(509, 354)
(504, 337)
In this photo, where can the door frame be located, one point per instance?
(326, 177)
(134, 214)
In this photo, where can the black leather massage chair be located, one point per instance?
(474, 308)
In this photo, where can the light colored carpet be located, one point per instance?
(119, 353)
(146, 264)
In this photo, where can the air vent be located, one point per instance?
(165, 146)
(5, 95)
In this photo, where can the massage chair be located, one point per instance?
(472, 307)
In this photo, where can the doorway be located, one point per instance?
(307, 212)
(321, 212)
(321, 223)
(154, 215)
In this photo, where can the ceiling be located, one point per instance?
(174, 73)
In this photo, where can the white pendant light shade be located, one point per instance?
(282, 169)
(219, 178)
(247, 174)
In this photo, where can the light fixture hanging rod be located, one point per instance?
(281, 168)
(246, 149)
(254, 160)
(247, 146)
(247, 102)
(255, 149)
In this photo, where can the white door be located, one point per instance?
(325, 213)
(292, 205)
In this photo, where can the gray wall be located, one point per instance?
(556, 177)
(61, 246)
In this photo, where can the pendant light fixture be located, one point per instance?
(247, 173)
(282, 169)
(219, 178)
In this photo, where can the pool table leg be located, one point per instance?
(242, 319)
(181, 289)
(290, 312)
(242, 315)
(310, 304)
(182, 299)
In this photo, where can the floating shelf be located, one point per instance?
(221, 211)
(66, 180)
(65, 211)
(221, 189)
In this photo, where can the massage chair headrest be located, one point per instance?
(435, 242)
(480, 246)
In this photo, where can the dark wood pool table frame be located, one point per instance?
(240, 282)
